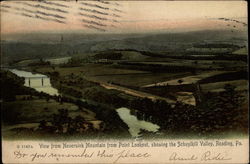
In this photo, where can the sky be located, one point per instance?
(121, 16)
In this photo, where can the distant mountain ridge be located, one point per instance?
(74, 38)
(27, 46)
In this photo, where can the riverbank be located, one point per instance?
(34, 108)
(214, 114)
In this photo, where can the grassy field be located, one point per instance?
(111, 84)
(187, 79)
(107, 73)
(241, 85)
(26, 111)
(27, 114)
(242, 51)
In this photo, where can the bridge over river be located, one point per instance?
(39, 82)
(37, 78)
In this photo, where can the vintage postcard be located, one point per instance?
(124, 81)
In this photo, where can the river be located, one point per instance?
(42, 83)
(135, 125)
(61, 60)
(39, 82)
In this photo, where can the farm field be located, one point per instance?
(158, 89)
(241, 85)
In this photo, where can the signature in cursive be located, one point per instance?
(176, 157)
(209, 156)
(206, 156)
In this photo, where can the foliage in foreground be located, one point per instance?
(217, 113)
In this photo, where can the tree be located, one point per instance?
(231, 96)
(60, 119)
(180, 81)
(43, 124)
(47, 98)
(221, 111)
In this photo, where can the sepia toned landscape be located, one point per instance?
(190, 83)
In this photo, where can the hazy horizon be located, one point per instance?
(56, 35)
